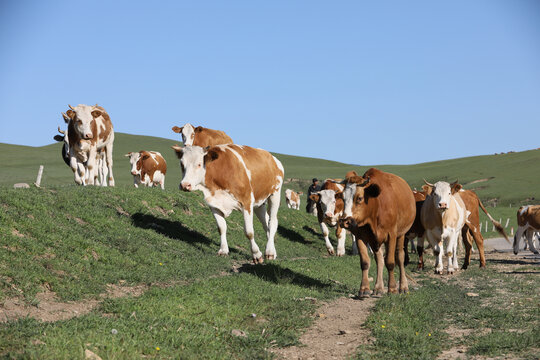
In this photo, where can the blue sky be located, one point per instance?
(385, 82)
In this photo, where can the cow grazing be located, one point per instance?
(528, 219)
(89, 131)
(148, 168)
(471, 229)
(329, 204)
(379, 209)
(443, 216)
(292, 198)
(200, 136)
(236, 177)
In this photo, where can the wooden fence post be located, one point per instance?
(40, 173)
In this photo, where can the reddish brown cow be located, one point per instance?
(200, 136)
(148, 168)
(379, 209)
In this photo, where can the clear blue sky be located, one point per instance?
(362, 82)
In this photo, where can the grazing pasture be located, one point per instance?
(127, 273)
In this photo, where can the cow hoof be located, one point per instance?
(464, 267)
(340, 255)
(377, 293)
(258, 260)
(393, 291)
(404, 291)
(450, 272)
(223, 253)
(330, 251)
(269, 257)
(438, 272)
(364, 294)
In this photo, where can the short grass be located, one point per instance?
(75, 241)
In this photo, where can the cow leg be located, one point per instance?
(420, 250)
(406, 245)
(91, 165)
(530, 237)
(136, 180)
(341, 235)
(453, 258)
(222, 228)
(327, 242)
(390, 262)
(413, 247)
(273, 207)
(479, 240)
(400, 257)
(162, 182)
(517, 238)
(74, 165)
(379, 282)
(109, 156)
(354, 245)
(364, 265)
(468, 245)
(262, 215)
(250, 234)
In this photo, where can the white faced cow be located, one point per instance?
(89, 131)
(235, 177)
(292, 198)
(443, 215)
(148, 168)
(200, 136)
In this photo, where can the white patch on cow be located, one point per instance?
(328, 203)
(222, 200)
(192, 162)
(188, 134)
(241, 159)
(524, 210)
(348, 198)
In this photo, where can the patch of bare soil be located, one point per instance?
(336, 333)
(50, 309)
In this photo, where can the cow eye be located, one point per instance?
(199, 165)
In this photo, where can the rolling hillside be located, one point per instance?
(503, 179)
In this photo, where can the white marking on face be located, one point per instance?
(328, 201)
(188, 134)
(524, 210)
(133, 161)
(83, 120)
(192, 164)
(441, 194)
(348, 198)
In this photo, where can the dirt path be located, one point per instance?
(337, 332)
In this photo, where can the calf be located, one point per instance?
(528, 219)
(236, 177)
(148, 168)
(379, 208)
(200, 136)
(292, 198)
(443, 216)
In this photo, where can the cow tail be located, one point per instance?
(497, 225)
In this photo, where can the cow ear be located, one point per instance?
(372, 191)
(315, 197)
(58, 138)
(198, 129)
(178, 150)
(96, 114)
(177, 129)
(427, 189)
(350, 174)
(455, 187)
(210, 155)
(146, 156)
(128, 154)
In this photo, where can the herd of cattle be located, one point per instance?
(376, 208)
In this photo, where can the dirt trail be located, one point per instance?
(335, 334)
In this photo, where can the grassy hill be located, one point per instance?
(503, 179)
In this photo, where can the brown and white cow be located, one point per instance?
(379, 209)
(443, 216)
(292, 198)
(528, 219)
(329, 205)
(236, 177)
(89, 131)
(200, 136)
(148, 168)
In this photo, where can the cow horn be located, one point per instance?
(61, 131)
(455, 182)
(428, 184)
(71, 107)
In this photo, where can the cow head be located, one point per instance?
(193, 162)
(188, 133)
(83, 120)
(135, 161)
(327, 200)
(441, 193)
(358, 191)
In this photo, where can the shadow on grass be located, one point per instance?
(292, 235)
(531, 261)
(311, 231)
(172, 229)
(279, 275)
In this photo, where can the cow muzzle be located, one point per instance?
(443, 206)
(346, 223)
(328, 214)
(88, 136)
(133, 173)
(185, 187)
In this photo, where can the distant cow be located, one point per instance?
(379, 209)
(471, 230)
(236, 177)
(200, 136)
(148, 168)
(528, 219)
(329, 204)
(443, 216)
(292, 198)
(89, 131)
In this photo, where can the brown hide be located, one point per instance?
(207, 137)
(148, 166)
(224, 171)
(531, 216)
